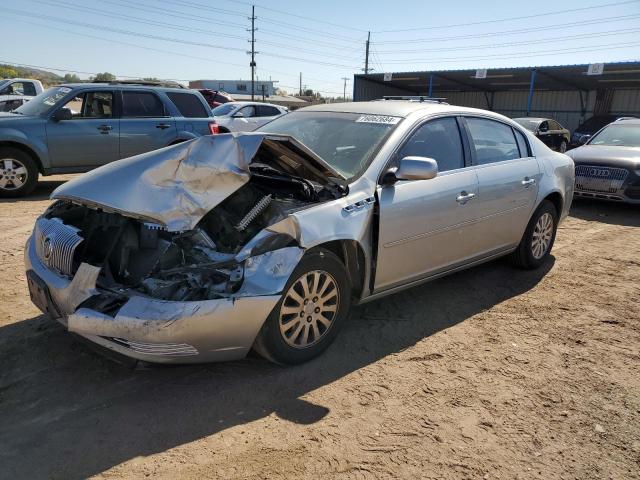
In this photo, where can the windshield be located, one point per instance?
(346, 141)
(528, 123)
(618, 136)
(225, 109)
(42, 103)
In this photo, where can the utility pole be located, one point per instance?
(366, 55)
(344, 90)
(253, 51)
(300, 93)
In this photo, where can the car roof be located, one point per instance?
(626, 121)
(242, 104)
(395, 108)
(125, 86)
(533, 119)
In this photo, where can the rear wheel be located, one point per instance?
(18, 173)
(538, 238)
(313, 307)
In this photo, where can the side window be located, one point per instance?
(29, 89)
(91, 105)
(141, 104)
(544, 126)
(16, 88)
(267, 111)
(438, 139)
(523, 145)
(493, 141)
(249, 111)
(188, 104)
(553, 125)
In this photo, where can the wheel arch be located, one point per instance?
(556, 199)
(29, 151)
(351, 253)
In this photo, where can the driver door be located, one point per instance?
(92, 136)
(428, 226)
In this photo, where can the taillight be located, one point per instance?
(214, 128)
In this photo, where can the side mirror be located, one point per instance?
(412, 168)
(543, 129)
(62, 114)
(238, 115)
(583, 139)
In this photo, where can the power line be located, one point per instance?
(509, 19)
(511, 44)
(619, 18)
(130, 18)
(201, 6)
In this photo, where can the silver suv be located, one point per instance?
(201, 251)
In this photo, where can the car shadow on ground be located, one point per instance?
(606, 212)
(41, 192)
(69, 413)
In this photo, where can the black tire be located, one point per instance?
(10, 177)
(523, 256)
(271, 342)
(563, 146)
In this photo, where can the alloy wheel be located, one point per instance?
(13, 174)
(542, 234)
(309, 308)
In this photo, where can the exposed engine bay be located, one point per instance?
(144, 258)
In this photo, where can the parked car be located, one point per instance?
(608, 165)
(587, 128)
(201, 251)
(77, 127)
(12, 88)
(215, 98)
(245, 116)
(552, 134)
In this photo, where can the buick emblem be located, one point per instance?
(599, 172)
(47, 248)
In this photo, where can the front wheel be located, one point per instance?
(314, 304)
(538, 238)
(18, 173)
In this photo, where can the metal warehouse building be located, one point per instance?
(570, 93)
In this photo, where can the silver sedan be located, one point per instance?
(204, 250)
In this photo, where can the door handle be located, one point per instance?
(162, 126)
(464, 197)
(104, 128)
(527, 182)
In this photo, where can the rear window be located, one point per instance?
(141, 104)
(188, 104)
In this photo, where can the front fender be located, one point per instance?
(35, 141)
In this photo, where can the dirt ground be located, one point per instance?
(489, 373)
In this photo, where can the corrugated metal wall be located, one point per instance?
(564, 106)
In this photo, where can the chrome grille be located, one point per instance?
(56, 243)
(164, 349)
(594, 178)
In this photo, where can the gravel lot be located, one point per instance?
(489, 373)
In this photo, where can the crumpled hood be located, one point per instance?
(622, 157)
(176, 186)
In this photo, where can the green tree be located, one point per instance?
(72, 78)
(104, 77)
(7, 72)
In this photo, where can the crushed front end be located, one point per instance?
(144, 290)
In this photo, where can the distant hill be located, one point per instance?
(47, 78)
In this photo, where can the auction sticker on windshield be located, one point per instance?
(387, 120)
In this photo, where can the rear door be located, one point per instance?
(196, 114)
(91, 137)
(427, 226)
(145, 123)
(245, 119)
(266, 113)
(508, 177)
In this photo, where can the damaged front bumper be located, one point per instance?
(163, 331)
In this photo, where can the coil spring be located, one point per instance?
(257, 209)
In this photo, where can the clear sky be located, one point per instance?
(325, 40)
